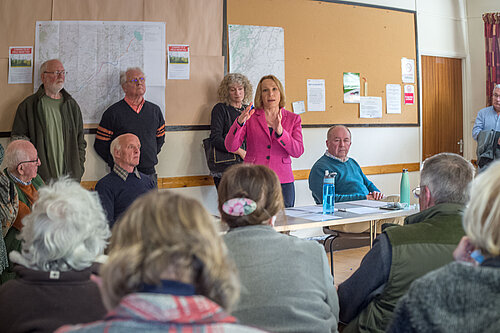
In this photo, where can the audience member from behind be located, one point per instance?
(234, 94)
(62, 236)
(273, 134)
(167, 271)
(463, 296)
(286, 282)
(22, 162)
(402, 254)
(124, 183)
(350, 181)
(9, 205)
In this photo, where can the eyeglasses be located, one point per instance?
(416, 191)
(496, 96)
(57, 72)
(137, 80)
(33, 161)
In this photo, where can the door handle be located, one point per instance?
(461, 144)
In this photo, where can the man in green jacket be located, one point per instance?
(402, 254)
(52, 121)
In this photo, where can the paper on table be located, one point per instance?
(393, 98)
(315, 95)
(369, 203)
(363, 210)
(370, 107)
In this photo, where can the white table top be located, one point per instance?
(305, 217)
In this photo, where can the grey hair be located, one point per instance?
(123, 74)
(497, 86)
(232, 79)
(447, 176)
(66, 229)
(13, 155)
(43, 67)
(330, 130)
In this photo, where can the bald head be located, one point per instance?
(21, 159)
(338, 141)
(126, 151)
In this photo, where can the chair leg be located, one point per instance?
(331, 238)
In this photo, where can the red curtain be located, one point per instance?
(492, 39)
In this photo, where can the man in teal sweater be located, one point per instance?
(350, 181)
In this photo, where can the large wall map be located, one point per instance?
(94, 53)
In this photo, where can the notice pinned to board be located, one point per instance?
(20, 64)
(393, 98)
(352, 87)
(409, 94)
(315, 95)
(299, 107)
(407, 70)
(370, 107)
(178, 62)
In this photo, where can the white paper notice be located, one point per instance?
(393, 98)
(178, 62)
(20, 64)
(408, 70)
(370, 107)
(315, 95)
(299, 107)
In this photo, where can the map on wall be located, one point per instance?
(256, 51)
(93, 54)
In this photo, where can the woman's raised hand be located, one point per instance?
(276, 123)
(246, 114)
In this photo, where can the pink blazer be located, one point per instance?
(264, 149)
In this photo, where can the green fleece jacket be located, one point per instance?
(30, 124)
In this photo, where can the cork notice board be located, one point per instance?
(325, 39)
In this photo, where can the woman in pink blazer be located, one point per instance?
(273, 134)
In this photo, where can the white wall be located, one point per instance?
(477, 78)
(441, 32)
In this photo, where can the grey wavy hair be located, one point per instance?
(232, 79)
(66, 229)
(123, 74)
(447, 176)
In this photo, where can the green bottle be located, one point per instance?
(404, 195)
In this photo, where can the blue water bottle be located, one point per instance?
(329, 192)
(404, 195)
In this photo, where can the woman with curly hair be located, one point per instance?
(167, 271)
(234, 95)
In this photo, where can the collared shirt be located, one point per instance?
(136, 108)
(487, 119)
(327, 153)
(123, 174)
(17, 180)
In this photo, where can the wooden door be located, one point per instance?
(442, 106)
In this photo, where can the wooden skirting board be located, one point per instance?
(193, 181)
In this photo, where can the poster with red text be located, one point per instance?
(20, 64)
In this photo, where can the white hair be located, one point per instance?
(66, 229)
(14, 154)
(123, 74)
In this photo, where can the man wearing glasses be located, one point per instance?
(22, 163)
(135, 115)
(52, 120)
(402, 254)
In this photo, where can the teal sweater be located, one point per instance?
(350, 182)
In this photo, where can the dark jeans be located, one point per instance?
(288, 190)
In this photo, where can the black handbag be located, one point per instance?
(218, 161)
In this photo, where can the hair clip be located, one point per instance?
(239, 206)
